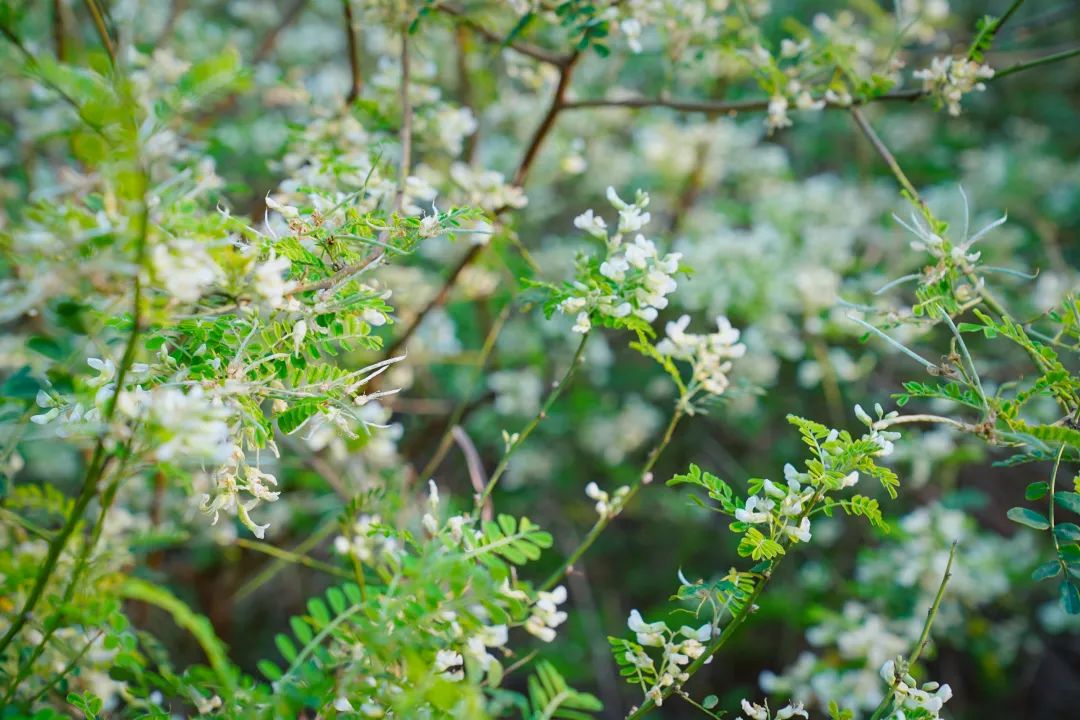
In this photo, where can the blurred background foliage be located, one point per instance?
(781, 229)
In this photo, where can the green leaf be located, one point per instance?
(1068, 500)
(710, 702)
(1067, 532)
(1046, 571)
(1028, 517)
(199, 627)
(291, 420)
(46, 346)
(1070, 597)
(1036, 490)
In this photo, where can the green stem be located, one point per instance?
(924, 637)
(1046, 60)
(528, 429)
(455, 417)
(102, 31)
(293, 557)
(890, 160)
(991, 33)
(605, 520)
(1053, 535)
(96, 469)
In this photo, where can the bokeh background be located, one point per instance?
(782, 229)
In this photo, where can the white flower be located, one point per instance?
(449, 664)
(615, 268)
(269, 282)
(800, 533)
(430, 226)
(791, 710)
(453, 125)
(592, 224)
(751, 514)
(777, 116)
(949, 79)
(631, 28)
(286, 211)
(185, 269)
(805, 101)
(754, 711)
(648, 634)
(545, 615)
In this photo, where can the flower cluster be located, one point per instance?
(783, 508)
(878, 434)
(709, 355)
(607, 506)
(370, 540)
(753, 711)
(678, 649)
(546, 615)
(930, 698)
(949, 78)
(632, 280)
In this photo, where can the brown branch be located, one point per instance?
(176, 9)
(691, 188)
(103, 32)
(270, 40)
(475, 467)
(720, 107)
(527, 49)
(558, 102)
(353, 45)
(465, 91)
(58, 28)
(340, 276)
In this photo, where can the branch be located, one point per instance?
(722, 107)
(644, 477)
(1020, 67)
(525, 432)
(889, 159)
(988, 36)
(558, 103)
(271, 38)
(527, 49)
(353, 45)
(924, 638)
(102, 31)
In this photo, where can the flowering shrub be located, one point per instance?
(345, 344)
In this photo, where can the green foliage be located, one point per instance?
(551, 697)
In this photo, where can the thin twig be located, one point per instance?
(270, 39)
(58, 29)
(527, 49)
(103, 32)
(924, 637)
(998, 24)
(644, 477)
(352, 44)
(459, 412)
(719, 107)
(525, 432)
(297, 558)
(1046, 60)
(558, 103)
(889, 159)
(475, 468)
